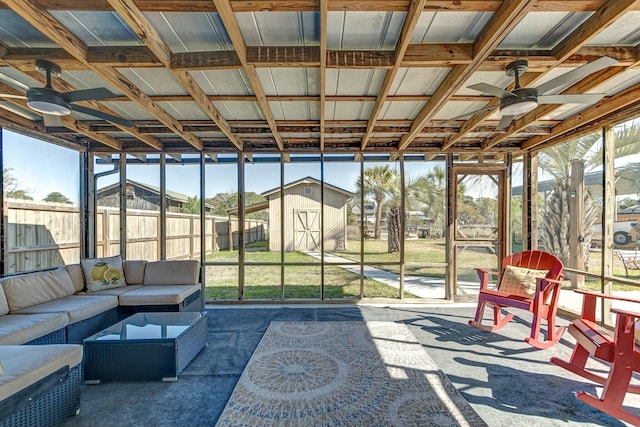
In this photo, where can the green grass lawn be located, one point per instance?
(423, 257)
(262, 282)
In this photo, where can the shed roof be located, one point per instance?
(306, 181)
(331, 76)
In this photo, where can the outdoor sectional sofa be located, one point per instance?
(40, 384)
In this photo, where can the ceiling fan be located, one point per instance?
(521, 100)
(53, 104)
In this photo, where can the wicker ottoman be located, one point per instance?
(145, 346)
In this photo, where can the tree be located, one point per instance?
(379, 183)
(191, 206)
(11, 186)
(222, 202)
(56, 197)
(557, 162)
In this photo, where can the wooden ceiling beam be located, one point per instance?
(603, 108)
(500, 24)
(41, 19)
(333, 5)
(323, 68)
(233, 30)
(421, 55)
(596, 23)
(410, 22)
(139, 23)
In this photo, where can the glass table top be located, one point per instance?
(148, 326)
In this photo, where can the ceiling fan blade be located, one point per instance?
(470, 113)
(491, 90)
(11, 96)
(11, 80)
(51, 120)
(101, 115)
(89, 94)
(572, 98)
(504, 122)
(576, 75)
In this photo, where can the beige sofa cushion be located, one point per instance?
(103, 273)
(176, 272)
(4, 305)
(24, 365)
(134, 272)
(35, 288)
(75, 272)
(77, 307)
(113, 291)
(158, 295)
(16, 329)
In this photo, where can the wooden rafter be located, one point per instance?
(323, 67)
(410, 22)
(41, 19)
(605, 107)
(233, 29)
(333, 5)
(139, 23)
(601, 19)
(502, 21)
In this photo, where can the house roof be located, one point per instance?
(306, 181)
(331, 76)
(171, 195)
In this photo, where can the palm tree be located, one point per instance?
(380, 183)
(557, 162)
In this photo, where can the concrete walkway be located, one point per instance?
(434, 287)
(421, 286)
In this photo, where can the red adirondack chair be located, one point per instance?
(533, 285)
(619, 349)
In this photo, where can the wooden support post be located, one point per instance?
(608, 217)
(576, 222)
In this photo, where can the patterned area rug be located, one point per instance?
(344, 374)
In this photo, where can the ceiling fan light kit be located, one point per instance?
(47, 102)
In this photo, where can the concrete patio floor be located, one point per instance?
(507, 382)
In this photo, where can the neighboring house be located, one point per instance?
(142, 196)
(302, 203)
(369, 211)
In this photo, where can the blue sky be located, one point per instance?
(42, 168)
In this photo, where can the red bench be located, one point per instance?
(617, 348)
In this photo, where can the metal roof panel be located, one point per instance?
(353, 81)
(279, 29)
(348, 110)
(190, 31)
(223, 82)
(449, 27)
(98, 28)
(290, 81)
(239, 110)
(295, 110)
(363, 30)
(542, 30)
(153, 81)
(418, 81)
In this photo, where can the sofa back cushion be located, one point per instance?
(75, 271)
(4, 305)
(134, 271)
(30, 289)
(103, 273)
(175, 272)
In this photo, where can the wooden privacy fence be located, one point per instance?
(42, 235)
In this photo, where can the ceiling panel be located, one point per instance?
(223, 82)
(356, 82)
(542, 30)
(449, 27)
(290, 81)
(418, 81)
(363, 30)
(279, 29)
(190, 31)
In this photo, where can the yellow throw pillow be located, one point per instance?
(520, 281)
(103, 273)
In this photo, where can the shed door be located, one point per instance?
(306, 229)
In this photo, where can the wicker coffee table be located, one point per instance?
(145, 346)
